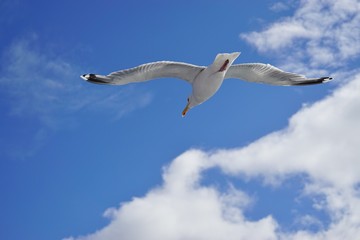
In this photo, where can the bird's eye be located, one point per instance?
(188, 99)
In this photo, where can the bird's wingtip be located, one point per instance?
(88, 76)
(327, 79)
(312, 81)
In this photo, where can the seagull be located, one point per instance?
(205, 81)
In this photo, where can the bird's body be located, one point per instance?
(206, 84)
(205, 81)
(209, 80)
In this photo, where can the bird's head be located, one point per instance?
(223, 61)
(191, 102)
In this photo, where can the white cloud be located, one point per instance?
(184, 209)
(325, 32)
(321, 142)
(326, 130)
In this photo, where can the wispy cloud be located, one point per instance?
(34, 81)
(46, 88)
(279, 6)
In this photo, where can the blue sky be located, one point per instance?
(84, 161)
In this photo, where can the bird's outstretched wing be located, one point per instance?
(266, 73)
(148, 71)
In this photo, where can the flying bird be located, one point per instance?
(205, 81)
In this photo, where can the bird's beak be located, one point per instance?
(186, 109)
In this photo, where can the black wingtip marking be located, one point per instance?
(326, 79)
(93, 79)
(89, 76)
(314, 81)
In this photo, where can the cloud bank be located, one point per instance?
(321, 141)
